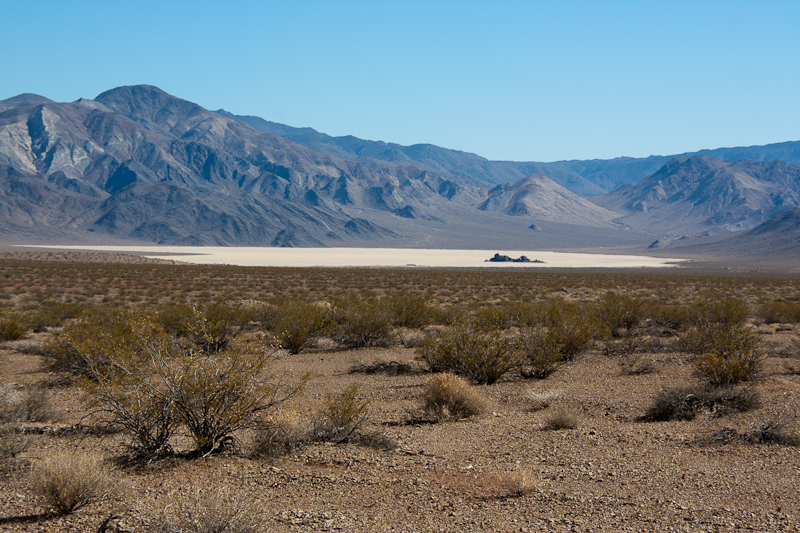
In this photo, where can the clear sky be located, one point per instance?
(509, 80)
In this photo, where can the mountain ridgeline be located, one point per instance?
(139, 164)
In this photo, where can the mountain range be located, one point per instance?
(136, 163)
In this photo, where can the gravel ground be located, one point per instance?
(502, 471)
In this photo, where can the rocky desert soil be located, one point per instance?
(502, 471)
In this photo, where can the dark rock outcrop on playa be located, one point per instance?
(499, 258)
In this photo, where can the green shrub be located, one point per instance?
(449, 397)
(618, 312)
(85, 344)
(66, 482)
(362, 323)
(340, 416)
(213, 325)
(411, 310)
(295, 322)
(53, 314)
(668, 315)
(714, 310)
(463, 349)
(541, 350)
(150, 387)
(491, 317)
(780, 312)
(735, 357)
(13, 326)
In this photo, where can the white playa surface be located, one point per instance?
(377, 257)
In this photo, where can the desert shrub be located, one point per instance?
(392, 368)
(542, 400)
(411, 310)
(294, 322)
(667, 315)
(541, 351)
(214, 324)
(619, 312)
(780, 312)
(520, 482)
(463, 349)
(687, 403)
(176, 318)
(735, 356)
(12, 442)
(53, 314)
(774, 432)
(340, 415)
(278, 434)
(494, 317)
(67, 481)
(561, 418)
(25, 404)
(85, 344)
(150, 388)
(574, 326)
(214, 396)
(196, 510)
(449, 397)
(362, 323)
(712, 310)
(13, 326)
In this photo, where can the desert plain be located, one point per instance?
(574, 450)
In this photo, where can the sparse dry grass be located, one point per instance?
(449, 397)
(66, 481)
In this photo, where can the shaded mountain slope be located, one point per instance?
(778, 237)
(694, 195)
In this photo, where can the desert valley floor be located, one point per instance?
(508, 469)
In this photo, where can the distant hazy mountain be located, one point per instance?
(700, 194)
(138, 163)
(584, 178)
(778, 237)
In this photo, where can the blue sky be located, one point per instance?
(509, 80)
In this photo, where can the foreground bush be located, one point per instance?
(780, 312)
(340, 416)
(449, 397)
(67, 481)
(619, 312)
(463, 349)
(195, 510)
(409, 310)
(735, 357)
(295, 322)
(13, 326)
(151, 388)
(25, 404)
(362, 323)
(688, 403)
